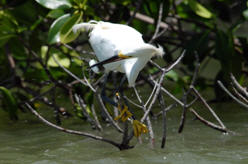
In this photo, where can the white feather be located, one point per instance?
(109, 39)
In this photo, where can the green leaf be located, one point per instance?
(55, 13)
(17, 49)
(62, 61)
(9, 103)
(172, 75)
(66, 33)
(54, 31)
(55, 4)
(245, 14)
(199, 9)
(5, 38)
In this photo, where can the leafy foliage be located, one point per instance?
(31, 32)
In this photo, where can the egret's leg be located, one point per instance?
(123, 105)
(103, 92)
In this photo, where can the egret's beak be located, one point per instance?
(115, 58)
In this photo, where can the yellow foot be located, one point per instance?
(124, 113)
(139, 128)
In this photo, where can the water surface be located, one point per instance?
(30, 141)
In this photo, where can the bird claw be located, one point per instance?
(124, 114)
(139, 128)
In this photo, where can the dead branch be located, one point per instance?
(208, 123)
(95, 137)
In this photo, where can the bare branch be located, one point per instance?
(208, 107)
(160, 13)
(72, 75)
(69, 130)
(183, 116)
(210, 124)
(176, 62)
(135, 12)
(238, 86)
(149, 124)
(231, 95)
(155, 95)
(108, 115)
(240, 96)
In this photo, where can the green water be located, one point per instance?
(30, 141)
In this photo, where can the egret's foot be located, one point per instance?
(139, 128)
(124, 113)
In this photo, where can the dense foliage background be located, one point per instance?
(32, 31)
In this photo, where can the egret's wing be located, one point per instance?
(132, 68)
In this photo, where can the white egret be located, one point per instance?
(118, 47)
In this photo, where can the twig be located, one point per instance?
(155, 96)
(183, 116)
(95, 117)
(184, 98)
(231, 95)
(160, 13)
(153, 91)
(166, 110)
(176, 62)
(135, 104)
(162, 103)
(167, 93)
(87, 81)
(71, 131)
(210, 124)
(149, 124)
(108, 115)
(84, 110)
(72, 75)
(239, 95)
(208, 107)
(135, 12)
(238, 86)
(149, 20)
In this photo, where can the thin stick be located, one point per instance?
(176, 62)
(135, 104)
(238, 86)
(84, 110)
(69, 130)
(149, 124)
(96, 118)
(166, 110)
(155, 96)
(160, 13)
(108, 115)
(208, 107)
(184, 98)
(183, 116)
(135, 11)
(231, 95)
(240, 95)
(72, 75)
(153, 91)
(209, 124)
(167, 93)
(161, 100)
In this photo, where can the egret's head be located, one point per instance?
(84, 27)
(159, 51)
